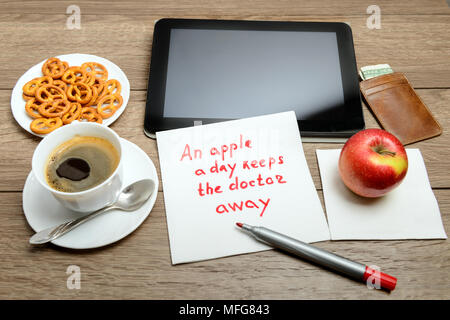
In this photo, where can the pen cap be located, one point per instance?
(386, 281)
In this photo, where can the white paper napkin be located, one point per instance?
(410, 211)
(278, 194)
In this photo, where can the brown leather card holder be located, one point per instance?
(398, 108)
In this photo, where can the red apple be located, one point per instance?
(372, 163)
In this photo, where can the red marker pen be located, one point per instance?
(355, 270)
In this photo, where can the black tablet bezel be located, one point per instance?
(154, 120)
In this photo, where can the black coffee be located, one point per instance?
(74, 169)
(81, 163)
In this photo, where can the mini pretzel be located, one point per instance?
(90, 79)
(31, 86)
(66, 93)
(60, 84)
(91, 115)
(79, 92)
(73, 113)
(32, 108)
(49, 92)
(97, 69)
(54, 68)
(74, 74)
(44, 125)
(26, 98)
(108, 105)
(93, 99)
(56, 109)
(112, 86)
(99, 84)
(66, 65)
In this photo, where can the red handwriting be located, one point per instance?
(241, 205)
(199, 172)
(259, 181)
(223, 164)
(217, 169)
(228, 149)
(248, 164)
(240, 184)
(222, 151)
(223, 168)
(208, 189)
(187, 153)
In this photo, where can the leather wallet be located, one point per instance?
(398, 108)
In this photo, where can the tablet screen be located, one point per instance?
(233, 74)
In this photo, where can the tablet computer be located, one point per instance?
(205, 71)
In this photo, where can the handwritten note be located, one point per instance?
(250, 170)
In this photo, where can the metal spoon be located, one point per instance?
(131, 198)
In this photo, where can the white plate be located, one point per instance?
(42, 210)
(74, 59)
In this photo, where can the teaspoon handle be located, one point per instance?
(55, 232)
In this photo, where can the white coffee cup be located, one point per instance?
(88, 200)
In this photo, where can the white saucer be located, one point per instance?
(42, 210)
(74, 59)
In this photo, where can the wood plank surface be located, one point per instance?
(227, 7)
(414, 44)
(413, 39)
(138, 267)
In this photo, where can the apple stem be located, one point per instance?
(387, 152)
(382, 151)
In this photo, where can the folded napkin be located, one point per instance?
(410, 211)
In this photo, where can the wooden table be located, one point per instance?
(414, 38)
